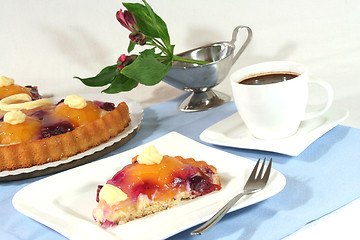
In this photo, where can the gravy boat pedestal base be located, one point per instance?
(200, 101)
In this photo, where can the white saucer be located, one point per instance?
(232, 132)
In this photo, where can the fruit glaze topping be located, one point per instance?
(26, 116)
(158, 177)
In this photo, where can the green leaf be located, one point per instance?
(160, 25)
(147, 69)
(121, 83)
(131, 46)
(101, 79)
(149, 22)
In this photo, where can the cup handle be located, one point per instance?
(330, 97)
(247, 41)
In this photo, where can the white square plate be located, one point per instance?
(232, 132)
(64, 202)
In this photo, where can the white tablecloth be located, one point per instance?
(47, 43)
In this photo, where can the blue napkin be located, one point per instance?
(320, 180)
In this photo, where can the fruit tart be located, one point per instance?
(152, 183)
(35, 131)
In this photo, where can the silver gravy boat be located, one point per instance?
(199, 79)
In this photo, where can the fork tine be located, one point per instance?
(261, 170)
(267, 173)
(252, 185)
(253, 173)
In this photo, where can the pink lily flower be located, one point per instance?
(127, 20)
(124, 60)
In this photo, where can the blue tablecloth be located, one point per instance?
(320, 180)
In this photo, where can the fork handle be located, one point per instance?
(219, 215)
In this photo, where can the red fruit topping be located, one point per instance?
(107, 106)
(201, 184)
(162, 181)
(34, 92)
(58, 128)
(98, 192)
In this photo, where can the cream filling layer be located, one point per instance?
(14, 117)
(111, 194)
(75, 101)
(5, 81)
(150, 156)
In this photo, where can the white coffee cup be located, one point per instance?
(275, 110)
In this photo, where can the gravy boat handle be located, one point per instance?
(247, 41)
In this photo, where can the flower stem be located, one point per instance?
(189, 60)
(160, 45)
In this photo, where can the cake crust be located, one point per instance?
(38, 152)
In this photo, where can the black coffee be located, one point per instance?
(268, 78)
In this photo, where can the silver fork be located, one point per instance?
(253, 184)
